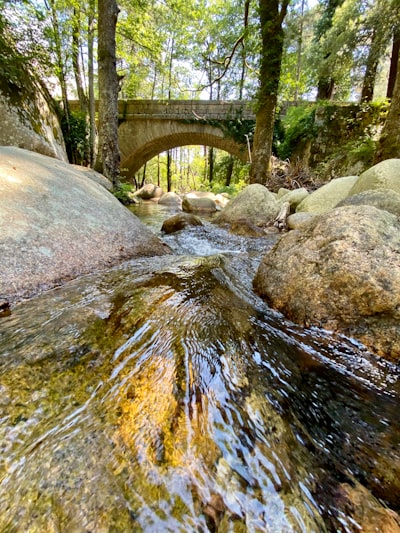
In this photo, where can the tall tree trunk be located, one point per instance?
(60, 64)
(83, 102)
(389, 143)
(243, 52)
(92, 102)
(299, 51)
(325, 88)
(326, 83)
(211, 165)
(108, 156)
(371, 69)
(229, 171)
(393, 62)
(169, 185)
(272, 14)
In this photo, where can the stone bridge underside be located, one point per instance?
(141, 140)
(148, 128)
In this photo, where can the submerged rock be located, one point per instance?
(340, 271)
(55, 224)
(179, 222)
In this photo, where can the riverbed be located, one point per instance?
(163, 395)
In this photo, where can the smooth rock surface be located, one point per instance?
(386, 199)
(55, 224)
(340, 271)
(328, 196)
(255, 203)
(180, 221)
(384, 175)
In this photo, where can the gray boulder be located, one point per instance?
(294, 197)
(171, 199)
(327, 196)
(384, 175)
(180, 221)
(29, 119)
(386, 199)
(149, 192)
(95, 176)
(255, 204)
(203, 204)
(295, 220)
(55, 224)
(340, 271)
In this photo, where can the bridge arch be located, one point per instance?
(143, 138)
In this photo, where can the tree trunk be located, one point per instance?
(169, 184)
(389, 143)
(60, 66)
(371, 69)
(229, 171)
(92, 102)
(83, 102)
(262, 142)
(108, 157)
(210, 165)
(272, 14)
(325, 88)
(299, 51)
(393, 62)
(326, 83)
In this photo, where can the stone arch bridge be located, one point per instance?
(149, 127)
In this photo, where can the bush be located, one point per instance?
(299, 128)
(76, 137)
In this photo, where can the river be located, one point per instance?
(163, 395)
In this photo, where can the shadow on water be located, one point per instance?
(162, 395)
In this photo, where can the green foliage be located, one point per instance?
(237, 128)
(122, 192)
(299, 127)
(76, 137)
(13, 65)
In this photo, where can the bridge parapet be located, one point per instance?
(181, 109)
(186, 109)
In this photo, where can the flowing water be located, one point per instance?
(163, 396)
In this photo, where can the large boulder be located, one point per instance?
(198, 204)
(384, 175)
(340, 271)
(149, 191)
(171, 199)
(327, 196)
(56, 223)
(385, 199)
(255, 204)
(28, 117)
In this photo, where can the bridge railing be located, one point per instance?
(181, 109)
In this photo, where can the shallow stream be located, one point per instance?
(163, 396)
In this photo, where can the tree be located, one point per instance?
(272, 14)
(394, 60)
(389, 143)
(108, 156)
(326, 81)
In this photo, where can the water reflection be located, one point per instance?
(158, 396)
